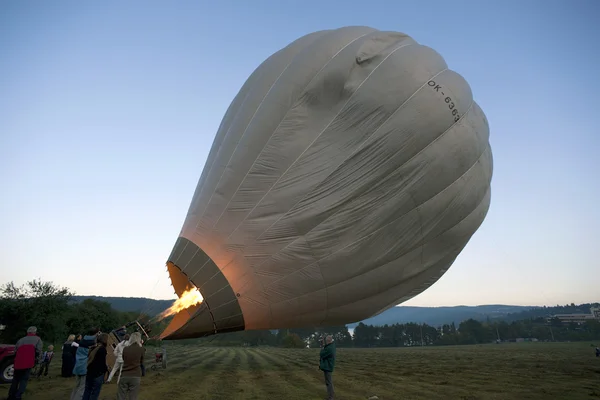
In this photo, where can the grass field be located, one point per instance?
(508, 371)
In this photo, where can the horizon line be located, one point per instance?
(399, 305)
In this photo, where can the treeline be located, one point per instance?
(290, 338)
(50, 309)
(411, 334)
(134, 304)
(472, 332)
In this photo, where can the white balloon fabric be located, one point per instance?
(346, 176)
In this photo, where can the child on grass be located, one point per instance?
(46, 359)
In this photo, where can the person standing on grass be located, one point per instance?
(96, 369)
(81, 358)
(118, 352)
(28, 352)
(327, 363)
(46, 360)
(131, 372)
(68, 357)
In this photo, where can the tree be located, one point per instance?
(281, 334)
(305, 333)
(93, 314)
(49, 308)
(472, 332)
(37, 303)
(556, 322)
(293, 341)
(258, 338)
(592, 328)
(364, 335)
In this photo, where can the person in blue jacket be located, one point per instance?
(81, 358)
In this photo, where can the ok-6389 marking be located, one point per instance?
(447, 99)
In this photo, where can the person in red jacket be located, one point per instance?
(28, 353)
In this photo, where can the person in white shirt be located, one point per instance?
(118, 352)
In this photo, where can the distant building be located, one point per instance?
(578, 318)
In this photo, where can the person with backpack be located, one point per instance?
(81, 357)
(96, 368)
(28, 353)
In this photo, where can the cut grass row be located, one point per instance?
(516, 371)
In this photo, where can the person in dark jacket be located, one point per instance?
(68, 357)
(327, 363)
(28, 353)
(131, 372)
(96, 369)
(80, 368)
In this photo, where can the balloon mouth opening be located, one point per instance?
(208, 303)
(188, 304)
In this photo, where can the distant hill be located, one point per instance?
(433, 316)
(436, 316)
(134, 304)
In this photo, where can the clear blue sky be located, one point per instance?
(108, 111)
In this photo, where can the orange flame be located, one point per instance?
(189, 298)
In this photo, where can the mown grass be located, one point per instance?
(508, 371)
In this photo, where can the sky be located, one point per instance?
(108, 111)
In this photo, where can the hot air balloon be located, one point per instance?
(346, 176)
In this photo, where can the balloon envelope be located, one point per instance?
(346, 176)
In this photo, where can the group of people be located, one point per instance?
(91, 366)
(85, 358)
